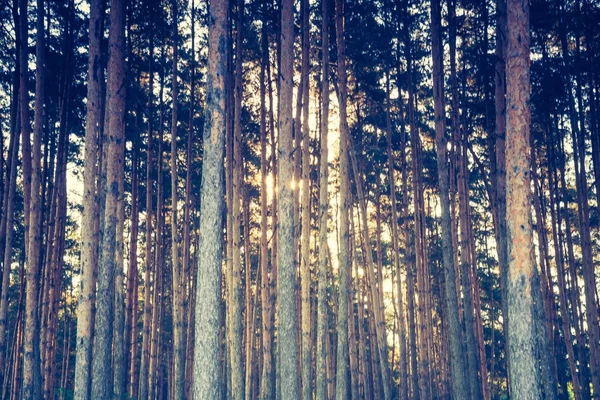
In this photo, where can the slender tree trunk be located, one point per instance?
(345, 266)
(118, 346)
(147, 319)
(396, 248)
(31, 350)
(524, 378)
(187, 281)
(8, 223)
(305, 276)
(89, 235)
(460, 386)
(286, 311)
(322, 318)
(234, 309)
(132, 279)
(114, 142)
(206, 361)
(177, 286)
(266, 390)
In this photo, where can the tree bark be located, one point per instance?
(286, 275)
(114, 142)
(524, 376)
(31, 350)
(207, 348)
(89, 235)
(345, 266)
(305, 276)
(460, 386)
(322, 317)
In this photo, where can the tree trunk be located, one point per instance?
(234, 307)
(524, 376)
(147, 319)
(266, 389)
(460, 386)
(345, 266)
(396, 248)
(207, 380)
(131, 329)
(322, 318)
(305, 276)
(31, 356)
(114, 142)
(286, 275)
(177, 286)
(89, 235)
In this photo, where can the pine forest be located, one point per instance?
(299, 199)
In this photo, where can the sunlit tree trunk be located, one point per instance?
(305, 276)
(345, 266)
(524, 376)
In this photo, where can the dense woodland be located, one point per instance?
(279, 199)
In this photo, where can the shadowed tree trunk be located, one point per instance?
(460, 386)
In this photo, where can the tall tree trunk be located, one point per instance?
(499, 168)
(460, 386)
(305, 276)
(206, 361)
(524, 376)
(147, 318)
(118, 346)
(7, 225)
(177, 286)
(187, 281)
(322, 317)
(234, 307)
(31, 356)
(266, 389)
(345, 266)
(410, 280)
(396, 248)
(114, 142)
(131, 330)
(377, 311)
(89, 235)
(286, 275)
